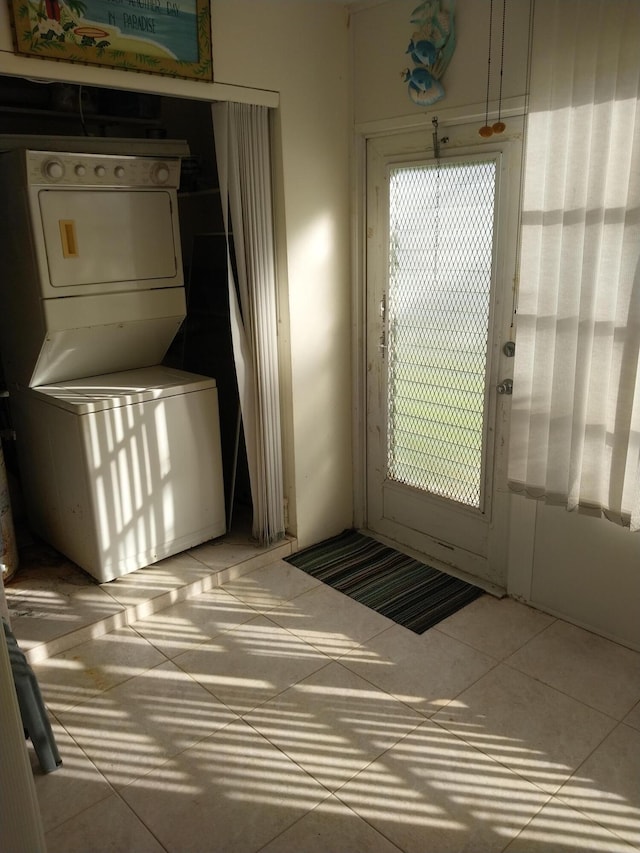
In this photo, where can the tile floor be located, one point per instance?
(225, 701)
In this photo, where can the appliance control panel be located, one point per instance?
(101, 170)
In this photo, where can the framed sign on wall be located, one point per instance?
(171, 37)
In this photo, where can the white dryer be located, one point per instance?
(92, 269)
(119, 469)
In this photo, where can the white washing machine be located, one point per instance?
(123, 468)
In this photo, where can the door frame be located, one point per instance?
(511, 141)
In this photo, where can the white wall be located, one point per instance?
(296, 54)
(578, 566)
(380, 38)
(301, 50)
(582, 568)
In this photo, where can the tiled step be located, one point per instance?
(54, 608)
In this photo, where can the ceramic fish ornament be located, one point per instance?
(424, 89)
(422, 52)
(430, 48)
(422, 13)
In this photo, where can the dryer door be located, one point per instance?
(97, 241)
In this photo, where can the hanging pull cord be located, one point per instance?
(486, 129)
(500, 126)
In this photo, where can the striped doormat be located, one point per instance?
(411, 593)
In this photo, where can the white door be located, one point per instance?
(441, 248)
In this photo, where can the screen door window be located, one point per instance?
(441, 238)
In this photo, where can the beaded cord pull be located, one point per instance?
(499, 126)
(486, 130)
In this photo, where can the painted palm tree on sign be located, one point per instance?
(172, 38)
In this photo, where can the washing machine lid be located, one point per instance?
(114, 390)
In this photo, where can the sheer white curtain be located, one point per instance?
(575, 429)
(244, 168)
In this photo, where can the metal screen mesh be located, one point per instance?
(440, 262)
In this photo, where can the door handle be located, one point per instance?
(383, 317)
(505, 387)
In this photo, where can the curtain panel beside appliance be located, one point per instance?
(244, 170)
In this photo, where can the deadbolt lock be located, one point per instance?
(505, 387)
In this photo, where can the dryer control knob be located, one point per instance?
(100, 171)
(119, 171)
(160, 173)
(80, 170)
(53, 169)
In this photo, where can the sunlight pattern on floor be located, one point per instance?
(271, 714)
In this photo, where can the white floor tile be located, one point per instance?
(432, 792)
(50, 601)
(331, 826)
(594, 670)
(559, 829)
(424, 671)
(538, 732)
(269, 588)
(155, 580)
(187, 625)
(224, 553)
(252, 663)
(496, 626)
(70, 789)
(232, 793)
(134, 727)
(633, 717)
(107, 827)
(606, 787)
(329, 620)
(333, 723)
(92, 667)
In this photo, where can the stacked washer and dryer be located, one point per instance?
(119, 456)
